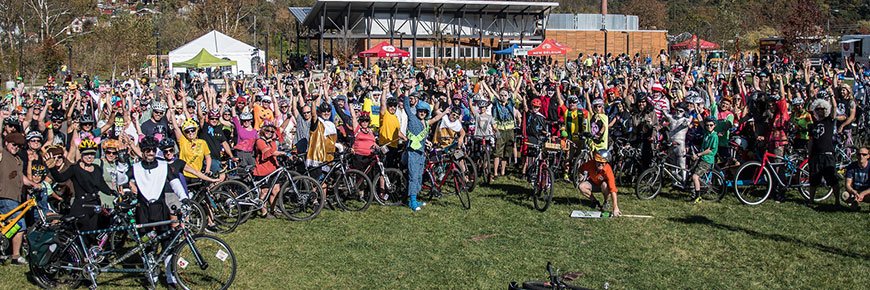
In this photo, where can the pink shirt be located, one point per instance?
(363, 142)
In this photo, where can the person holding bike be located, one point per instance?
(536, 130)
(415, 153)
(87, 181)
(600, 178)
(707, 156)
(12, 171)
(266, 156)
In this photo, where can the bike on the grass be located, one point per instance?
(555, 282)
(196, 261)
(626, 161)
(584, 153)
(390, 183)
(539, 173)
(348, 188)
(650, 182)
(219, 207)
(754, 180)
(482, 156)
(299, 197)
(443, 174)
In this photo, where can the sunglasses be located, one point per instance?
(168, 151)
(864, 154)
(36, 141)
(149, 150)
(269, 131)
(213, 119)
(111, 153)
(159, 112)
(710, 125)
(188, 131)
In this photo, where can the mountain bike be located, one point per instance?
(754, 180)
(540, 174)
(196, 261)
(219, 207)
(390, 184)
(626, 161)
(443, 173)
(482, 156)
(583, 154)
(555, 282)
(350, 189)
(650, 182)
(9, 221)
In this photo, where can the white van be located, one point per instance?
(856, 47)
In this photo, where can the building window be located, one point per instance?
(445, 52)
(485, 52)
(466, 52)
(423, 52)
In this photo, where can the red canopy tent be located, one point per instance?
(692, 43)
(549, 47)
(384, 49)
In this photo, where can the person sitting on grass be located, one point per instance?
(708, 157)
(858, 178)
(599, 178)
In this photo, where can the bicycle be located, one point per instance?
(351, 189)
(555, 282)
(218, 207)
(438, 171)
(193, 258)
(650, 181)
(482, 154)
(540, 174)
(584, 154)
(391, 183)
(626, 161)
(753, 181)
(299, 197)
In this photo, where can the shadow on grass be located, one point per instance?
(702, 220)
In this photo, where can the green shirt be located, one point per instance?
(711, 142)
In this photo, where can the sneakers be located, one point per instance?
(19, 261)
(695, 197)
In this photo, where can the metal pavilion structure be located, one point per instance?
(440, 23)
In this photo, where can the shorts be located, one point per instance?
(7, 205)
(823, 166)
(258, 179)
(701, 168)
(172, 202)
(361, 162)
(504, 144)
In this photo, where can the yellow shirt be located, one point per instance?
(262, 114)
(193, 153)
(389, 130)
(367, 107)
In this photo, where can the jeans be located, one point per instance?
(415, 160)
(7, 205)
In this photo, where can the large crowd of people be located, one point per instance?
(76, 142)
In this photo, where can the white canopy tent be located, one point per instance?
(219, 45)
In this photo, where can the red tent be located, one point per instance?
(384, 49)
(692, 43)
(549, 47)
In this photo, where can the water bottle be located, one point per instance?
(150, 235)
(12, 231)
(606, 285)
(605, 214)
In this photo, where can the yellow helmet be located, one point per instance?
(189, 123)
(88, 146)
(38, 169)
(111, 143)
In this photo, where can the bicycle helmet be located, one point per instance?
(88, 146)
(214, 113)
(39, 170)
(364, 117)
(149, 142)
(159, 106)
(58, 117)
(166, 143)
(246, 116)
(536, 103)
(602, 156)
(797, 101)
(34, 134)
(392, 101)
(323, 107)
(821, 104)
(423, 106)
(191, 104)
(189, 124)
(267, 124)
(86, 119)
(573, 99)
(598, 102)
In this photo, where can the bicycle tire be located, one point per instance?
(713, 186)
(48, 277)
(803, 187)
(627, 172)
(353, 191)
(195, 218)
(459, 188)
(749, 190)
(649, 184)
(486, 167)
(470, 173)
(575, 170)
(394, 188)
(543, 188)
(305, 202)
(224, 210)
(544, 285)
(236, 188)
(218, 256)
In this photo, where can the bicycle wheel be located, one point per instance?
(52, 276)
(649, 184)
(223, 210)
(712, 186)
(470, 173)
(302, 199)
(752, 183)
(456, 185)
(576, 173)
(804, 186)
(390, 187)
(194, 217)
(485, 166)
(237, 188)
(204, 263)
(543, 193)
(626, 172)
(542, 285)
(353, 191)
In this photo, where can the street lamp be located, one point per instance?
(69, 56)
(18, 35)
(157, 47)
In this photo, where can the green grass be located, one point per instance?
(501, 239)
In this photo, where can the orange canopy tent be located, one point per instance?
(693, 43)
(384, 49)
(549, 47)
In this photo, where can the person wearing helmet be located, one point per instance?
(87, 181)
(535, 130)
(678, 128)
(599, 124)
(450, 130)
(390, 127)
(34, 147)
(14, 180)
(56, 136)
(157, 125)
(191, 148)
(43, 191)
(726, 119)
(822, 162)
(707, 156)
(323, 141)
(597, 176)
(505, 118)
(11, 125)
(266, 157)
(372, 104)
(213, 135)
(802, 120)
(263, 111)
(246, 135)
(114, 170)
(414, 156)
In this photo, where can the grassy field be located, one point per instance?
(501, 239)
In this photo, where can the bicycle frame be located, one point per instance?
(430, 167)
(23, 208)
(772, 166)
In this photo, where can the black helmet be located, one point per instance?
(59, 117)
(392, 101)
(166, 143)
(12, 121)
(149, 142)
(86, 119)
